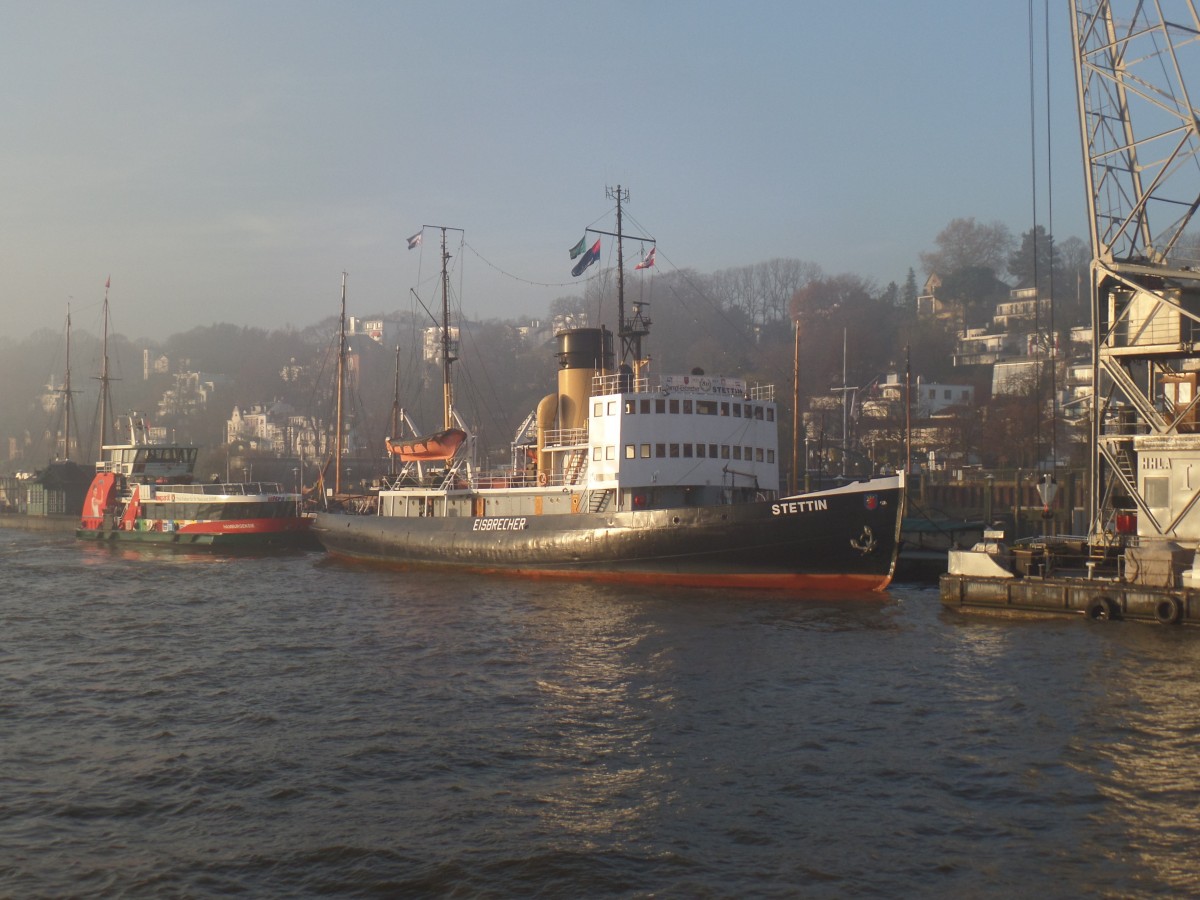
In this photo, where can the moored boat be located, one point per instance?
(625, 477)
(146, 493)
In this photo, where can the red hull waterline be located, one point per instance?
(789, 582)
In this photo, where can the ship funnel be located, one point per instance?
(582, 354)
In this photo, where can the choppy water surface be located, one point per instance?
(193, 725)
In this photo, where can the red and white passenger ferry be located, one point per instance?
(146, 493)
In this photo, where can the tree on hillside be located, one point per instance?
(1033, 264)
(966, 244)
(908, 293)
(976, 290)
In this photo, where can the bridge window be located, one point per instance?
(645, 451)
(630, 451)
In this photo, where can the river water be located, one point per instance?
(178, 725)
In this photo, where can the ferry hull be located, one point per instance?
(845, 542)
(226, 535)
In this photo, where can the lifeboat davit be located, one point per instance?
(442, 445)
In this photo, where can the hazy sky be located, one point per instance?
(226, 161)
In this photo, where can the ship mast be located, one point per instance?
(68, 403)
(448, 346)
(341, 391)
(395, 424)
(104, 379)
(631, 330)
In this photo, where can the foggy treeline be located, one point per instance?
(736, 322)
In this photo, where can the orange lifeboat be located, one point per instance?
(442, 445)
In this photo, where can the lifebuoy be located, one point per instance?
(1102, 609)
(1168, 611)
(543, 479)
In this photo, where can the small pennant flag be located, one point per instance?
(580, 247)
(107, 282)
(414, 241)
(648, 261)
(587, 259)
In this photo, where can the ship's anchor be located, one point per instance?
(865, 543)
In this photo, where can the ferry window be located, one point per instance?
(687, 407)
(630, 451)
(660, 450)
(610, 452)
(596, 454)
(770, 414)
(758, 413)
(645, 404)
(758, 455)
(660, 406)
(700, 448)
(737, 410)
(749, 453)
(612, 407)
(712, 451)
(724, 409)
(737, 451)
(770, 455)
(597, 409)
(687, 451)
(645, 451)
(674, 406)
(706, 408)
(674, 451)
(724, 451)
(630, 407)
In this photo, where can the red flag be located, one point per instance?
(107, 281)
(648, 261)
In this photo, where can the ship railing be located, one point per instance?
(763, 392)
(618, 384)
(566, 437)
(240, 488)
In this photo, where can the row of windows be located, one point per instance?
(686, 406)
(687, 451)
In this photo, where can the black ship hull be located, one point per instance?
(836, 540)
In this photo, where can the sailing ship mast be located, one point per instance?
(68, 403)
(341, 391)
(104, 379)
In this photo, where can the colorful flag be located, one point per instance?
(648, 261)
(414, 241)
(580, 247)
(587, 259)
(107, 282)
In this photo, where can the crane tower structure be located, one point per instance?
(1141, 145)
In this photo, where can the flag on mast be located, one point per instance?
(414, 241)
(648, 260)
(580, 247)
(587, 259)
